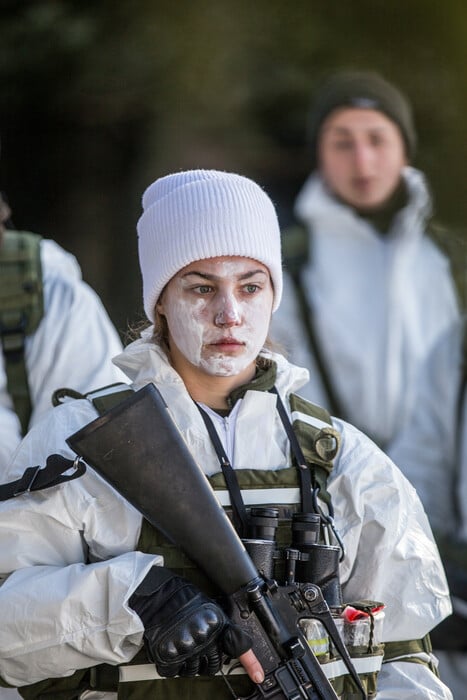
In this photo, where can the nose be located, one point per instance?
(362, 157)
(228, 313)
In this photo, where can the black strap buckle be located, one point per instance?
(27, 480)
(58, 470)
(13, 338)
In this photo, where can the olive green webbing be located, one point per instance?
(405, 650)
(17, 378)
(67, 688)
(21, 309)
(392, 650)
(306, 436)
(296, 247)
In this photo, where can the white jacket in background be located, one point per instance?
(432, 453)
(427, 450)
(379, 301)
(72, 346)
(60, 613)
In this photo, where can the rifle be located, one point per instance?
(137, 448)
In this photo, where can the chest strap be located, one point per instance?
(239, 513)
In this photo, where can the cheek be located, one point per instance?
(335, 172)
(391, 173)
(186, 327)
(256, 319)
(397, 164)
(257, 315)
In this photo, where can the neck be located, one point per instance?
(381, 217)
(212, 390)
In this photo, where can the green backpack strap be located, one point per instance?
(318, 439)
(452, 243)
(296, 248)
(295, 241)
(109, 396)
(21, 310)
(319, 442)
(103, 399)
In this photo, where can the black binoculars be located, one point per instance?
(307, 560)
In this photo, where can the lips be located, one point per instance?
(363, 182)
(226, 343)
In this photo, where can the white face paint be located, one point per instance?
(218, 313)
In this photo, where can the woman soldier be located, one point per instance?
(83, 586)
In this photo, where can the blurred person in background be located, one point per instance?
(368, 291)
(432, 453)
(54, 331)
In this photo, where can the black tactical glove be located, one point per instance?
(185, 632)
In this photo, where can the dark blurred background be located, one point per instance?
(98, 98)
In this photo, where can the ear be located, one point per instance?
(160, 307)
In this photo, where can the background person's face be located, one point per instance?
(218, 313)
(361, 154)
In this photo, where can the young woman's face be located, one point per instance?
(218, 312)
(361, 156)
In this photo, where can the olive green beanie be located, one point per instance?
(362, 90)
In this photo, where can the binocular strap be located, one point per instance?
(239, 512)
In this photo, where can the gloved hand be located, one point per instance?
(185, 632)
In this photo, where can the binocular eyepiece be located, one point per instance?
(317, 563)
(261, 541)
(307, 560)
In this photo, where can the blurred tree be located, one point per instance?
(100, 98)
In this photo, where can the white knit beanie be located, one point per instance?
(201, 214)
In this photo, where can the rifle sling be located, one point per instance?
(37, 478)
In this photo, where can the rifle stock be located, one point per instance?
(137, 448)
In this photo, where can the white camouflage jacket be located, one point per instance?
(379, 302)
(68, 559)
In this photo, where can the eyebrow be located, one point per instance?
(345, 130)
(214, 278)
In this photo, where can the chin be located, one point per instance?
(223, 368)
(371, 202)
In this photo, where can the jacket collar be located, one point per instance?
(144, 361)
(316, 204)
